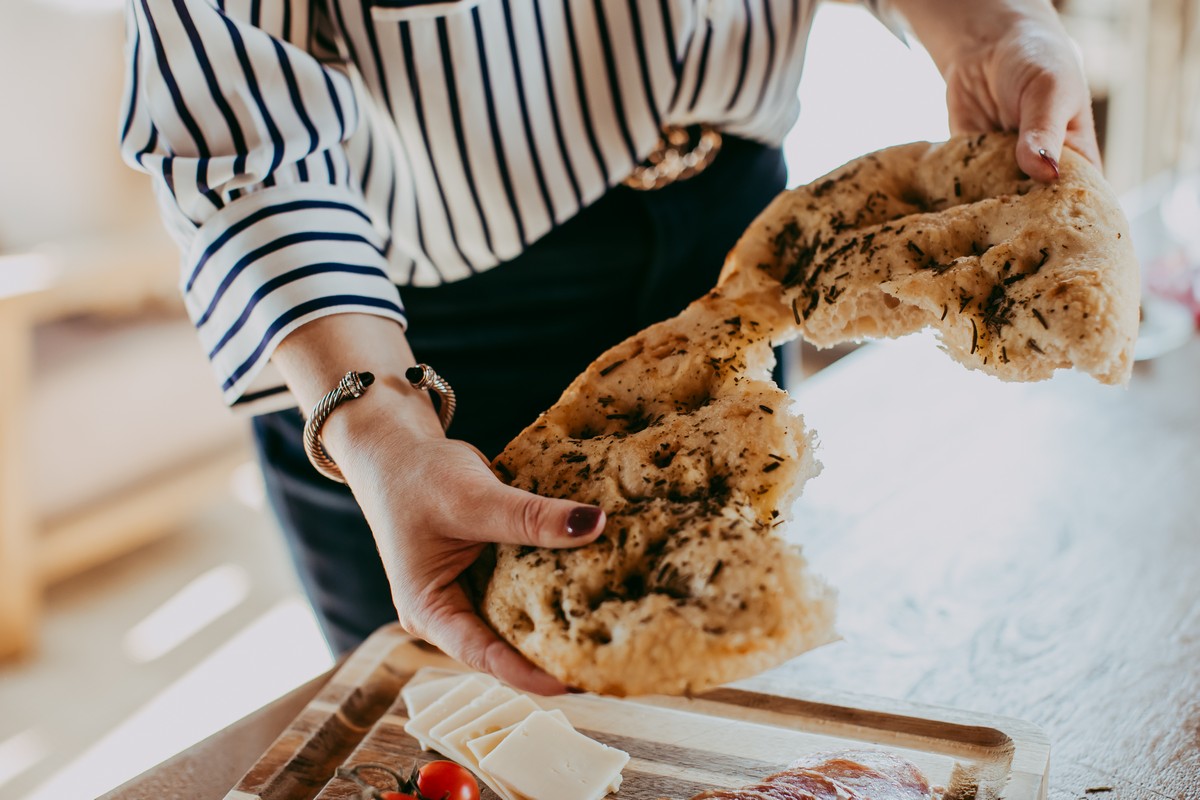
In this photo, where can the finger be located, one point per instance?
(971, 109)
(966, 116)
(1045, 109)
(1081, 137)
(499, 513)
(458, 631)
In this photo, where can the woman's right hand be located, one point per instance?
(433, 503)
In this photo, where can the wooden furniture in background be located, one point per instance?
(40, 545)
(1143, 61)
(1031, 551)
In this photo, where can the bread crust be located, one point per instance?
(675, 598)
(1018, 278)
(680, 435)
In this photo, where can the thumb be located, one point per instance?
(1044, 116)
(513, 516)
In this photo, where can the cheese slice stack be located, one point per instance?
(420, 725)
(419, 695)
(520, 751)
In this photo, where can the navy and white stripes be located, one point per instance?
(312, 155)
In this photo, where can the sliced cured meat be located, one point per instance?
(844, 775)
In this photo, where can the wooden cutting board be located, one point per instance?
(680, 747)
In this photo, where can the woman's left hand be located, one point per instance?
(1009, 65)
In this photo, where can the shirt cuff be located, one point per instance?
(890, 17)
(267, 264)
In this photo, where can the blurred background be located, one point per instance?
(145, 598)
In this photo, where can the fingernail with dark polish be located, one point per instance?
(1049, 160)
(583, 520)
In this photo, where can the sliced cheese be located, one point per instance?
(420, 695)
(616, 781)
(482, 745)
(492, 698)
(454, 743)
(541, 759)
(419, 726)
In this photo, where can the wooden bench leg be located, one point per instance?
(20, 583)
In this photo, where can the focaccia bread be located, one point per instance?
(674, 598)
(1018, 278)
(680, 435)
(695, 455)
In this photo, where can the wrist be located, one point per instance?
(952, 30)
(315, 357)
(391, 413)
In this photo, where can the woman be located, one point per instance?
(312, 156)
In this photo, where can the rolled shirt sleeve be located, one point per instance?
(242, 124)
(889, 16)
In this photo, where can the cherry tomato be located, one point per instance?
(445, 780)
(395, 796)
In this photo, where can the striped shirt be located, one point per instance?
(312, 156)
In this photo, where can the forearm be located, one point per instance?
(314, 357)
(948, 28)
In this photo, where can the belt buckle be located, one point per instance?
(682, 152)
